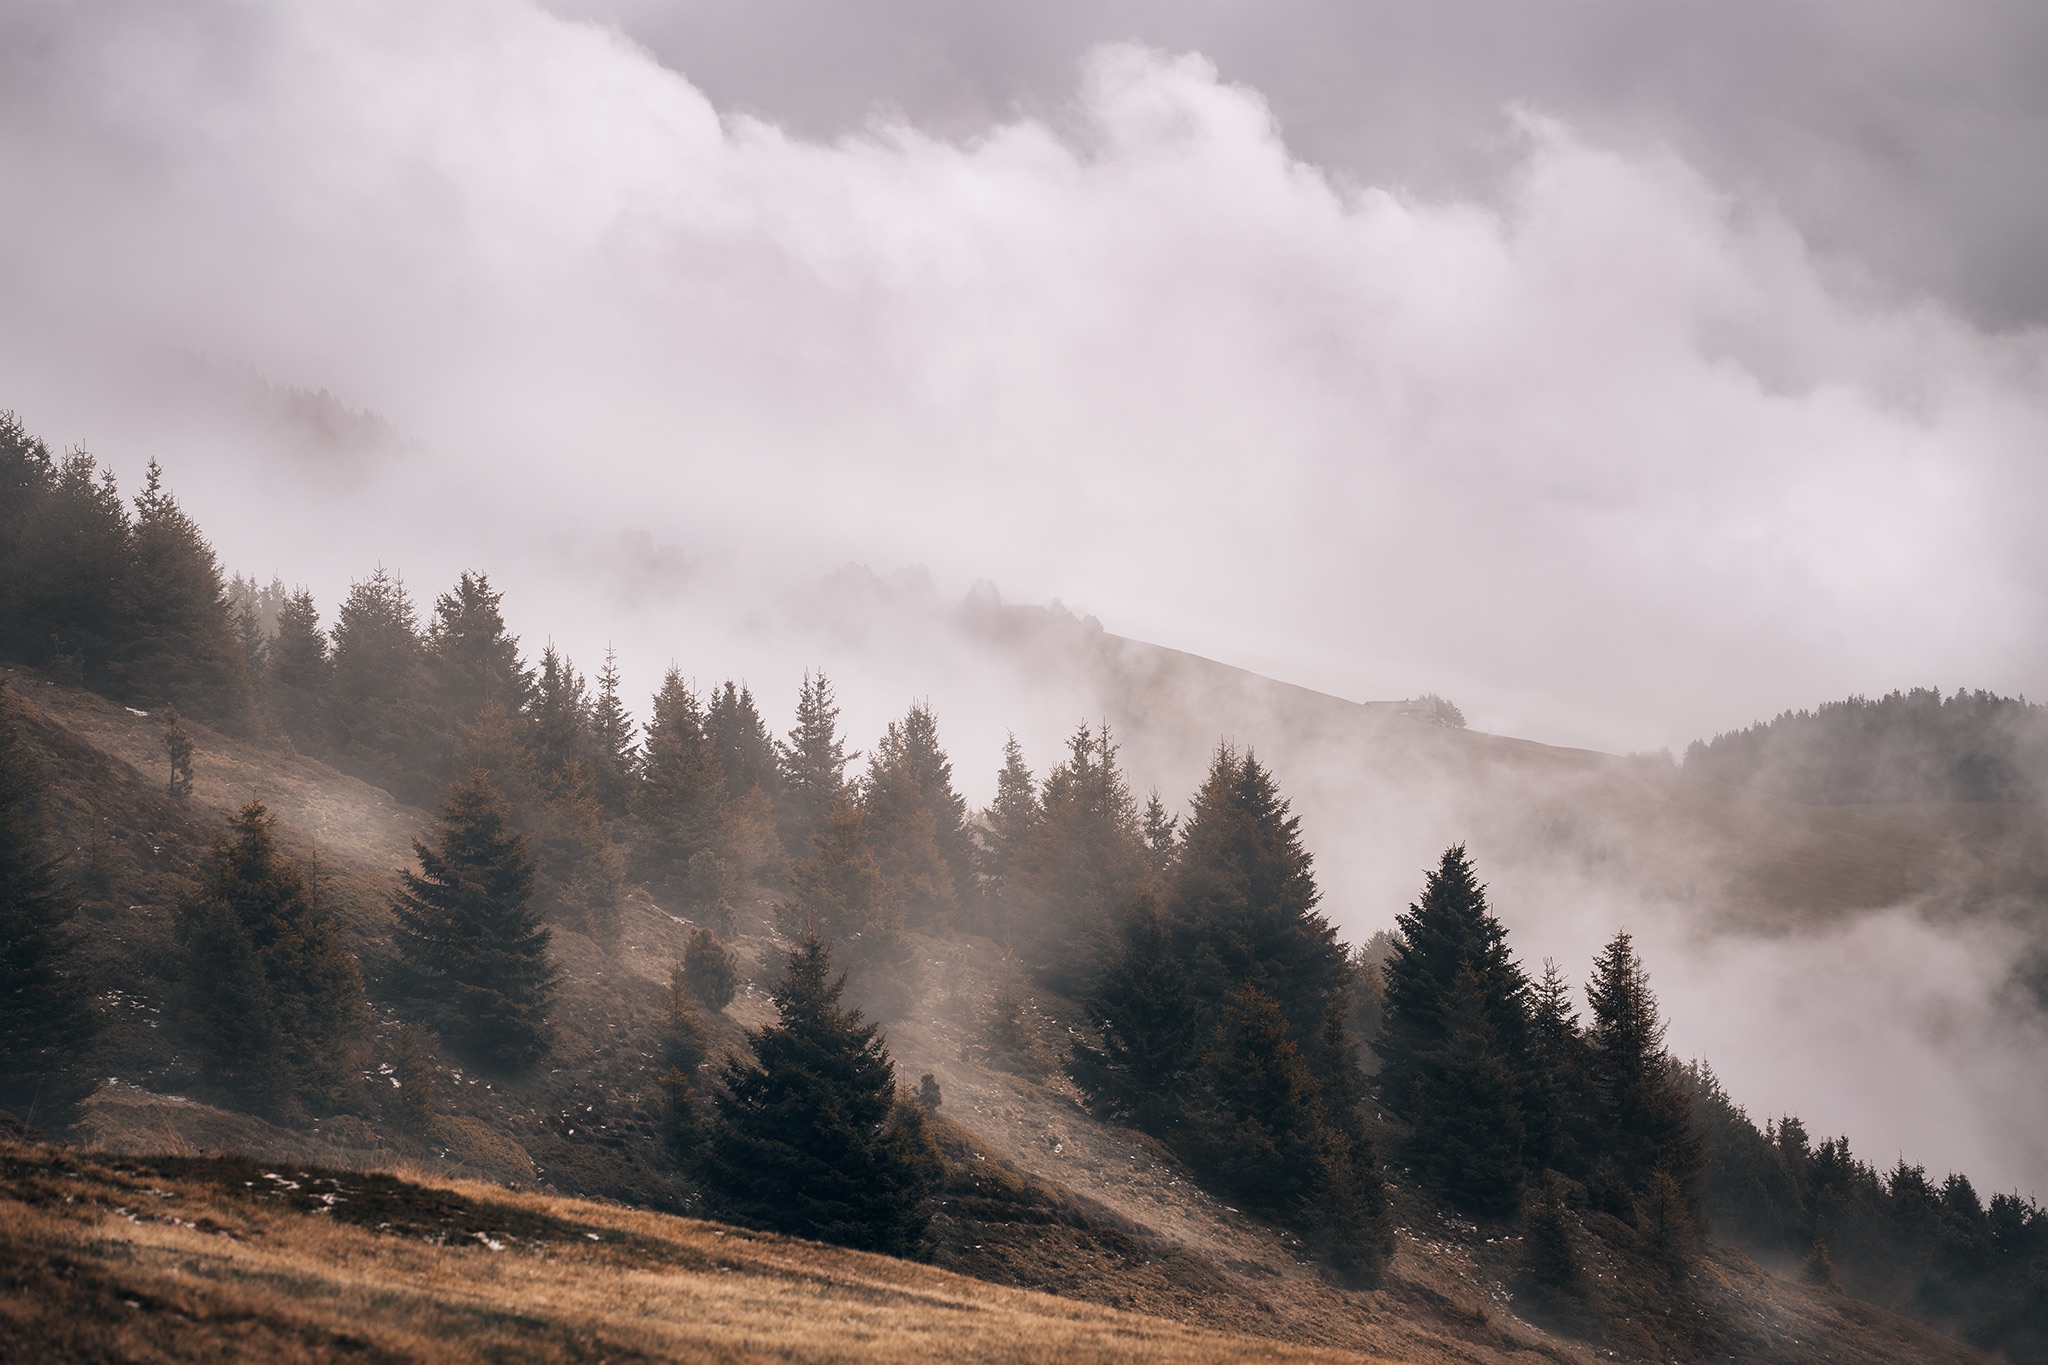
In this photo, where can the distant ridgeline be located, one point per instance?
(1908, 746)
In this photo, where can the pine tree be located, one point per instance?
(1011, 825)
(272, 991)
(1449, 929)
(469, 933)
(1136, 1067)
(296, 682)
(64, 559)
(812, 764)
(562, 731)
(1454, 1039)
(614, 755)
(181, 645)
(1467, 1129)
(916, 821)
(472, 660)
(809, 1137)
(682, 823)
(379, 720)
(709, 970)
(46, 1022)
(746, 751)
(1242, 901)
(1644, 1120)
(1161, 833)
(1555, 1085)
(1087, 868)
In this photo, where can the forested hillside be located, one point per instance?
(1904, 746)
(650, 954)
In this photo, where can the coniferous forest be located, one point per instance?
(1337, 1092)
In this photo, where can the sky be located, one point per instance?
(1624, 372)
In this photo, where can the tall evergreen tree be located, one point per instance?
(812, 764)
(1010, 825)
(916, 821)
(296, 681)
(746, 751)
(472, 660)
(1242, 900)
(468, 930)
(1162, 833)
(1644, 1116)
(180, 645)
(46, 1021)
(1087, 866)
(1468, 1133)
(809, 1136)
(379, 719)
(1454, 1040)
(1555, 1086)
(560, 710)
(683, 821)
(614, 754)
(64, 558)
(271, 990)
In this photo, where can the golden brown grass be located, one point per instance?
(104, 1258)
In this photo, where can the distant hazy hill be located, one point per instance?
(1908, 746)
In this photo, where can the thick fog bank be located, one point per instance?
(1609, 453)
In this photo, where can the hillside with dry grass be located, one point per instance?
(1037, 1195)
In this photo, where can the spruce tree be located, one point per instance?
(468, 931)
(379, 719)
(709, 970)
(472, 660)
(1467, 1129)
(1087, 868)
(1643, 1117)
(560, 714)
(1011, 825)
(1161, 833)
(271, 990)
(746, 751)
(812, 765)
(64, 560)
(1136, 1064)
(614, 754)
(916, 821)
(296, 682)
(682, 824)
(1454, 1041)
(1555, 1085)
(180, 645)
(1242, 900)
(46, 1021)
(809, 1137)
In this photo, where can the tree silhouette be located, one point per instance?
(809, 1136)
(468, 931)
